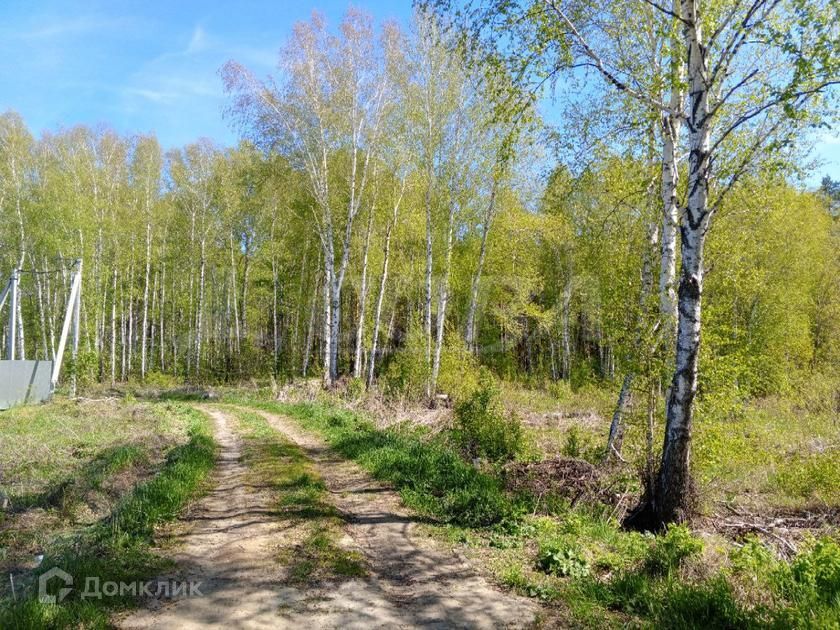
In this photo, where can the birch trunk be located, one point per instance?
(380, 298)
(114, 329)
(152, 320)
(616, 435)
(566, 362)
(360, 329)
(327, 338)
(274, 327)
(442, 302)
(200, 307)
(427, 309)
(673, 496)
(146, 300)
(671, 127)
(469, 337)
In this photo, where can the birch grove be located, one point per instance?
(396, 213)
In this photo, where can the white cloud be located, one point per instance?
(198, 41)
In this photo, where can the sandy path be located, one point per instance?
(227, 545)
(429, 585)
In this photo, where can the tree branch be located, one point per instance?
(599, 64)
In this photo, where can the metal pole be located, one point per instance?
(77, 309)
(13, 288)
(69, 315)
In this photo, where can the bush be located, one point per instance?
(483, 429)
(819, 569)
(408, 372)
(459, 372)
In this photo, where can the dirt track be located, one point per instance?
(226, 541)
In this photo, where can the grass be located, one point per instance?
(118, 547)
(579, 561)
(431, 477)
(309, 548)
(44, 446)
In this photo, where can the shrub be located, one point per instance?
(571, 447)
(354, 390)
(817, 476)
(819, 569)
(459, 373)
(408, 372)
(483, 429)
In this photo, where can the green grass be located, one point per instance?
(431, 477)
(579, 560)
(45, 446)
(118, 548)
(310, 548)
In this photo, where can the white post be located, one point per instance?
(70, 314)
(13, 307)
(77, 308)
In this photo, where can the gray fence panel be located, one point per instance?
(24, 382)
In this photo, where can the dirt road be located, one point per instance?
(226, 538)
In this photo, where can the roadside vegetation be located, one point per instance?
(574, 555)
(100, 476)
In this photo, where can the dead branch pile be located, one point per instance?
(570, 478)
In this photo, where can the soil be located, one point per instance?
(227, 539)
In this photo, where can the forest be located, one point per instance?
(402, 234)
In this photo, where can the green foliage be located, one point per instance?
(817, 570)
(483, 428)
(815, 478)
(561, 560)
(354, 389)
(671, 549)
(459, 373)
(571, 447)
(408, 372)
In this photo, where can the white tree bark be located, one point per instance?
(469, 337)
(146, 299)
(360, 328)
(383, 279)
(443, 299)
(672, 500)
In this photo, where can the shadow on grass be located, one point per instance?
(90, 476)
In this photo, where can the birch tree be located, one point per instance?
(327, 115)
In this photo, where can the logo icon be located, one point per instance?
(46, 577)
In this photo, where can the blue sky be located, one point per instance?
(152, 66)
